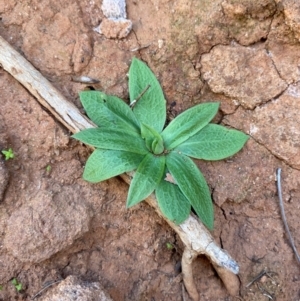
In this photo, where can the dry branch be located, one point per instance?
(195, 237)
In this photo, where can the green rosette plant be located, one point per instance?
(133, 137)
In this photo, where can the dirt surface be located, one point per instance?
(244, 54)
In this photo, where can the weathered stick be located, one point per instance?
(196, 238)
(41, 89)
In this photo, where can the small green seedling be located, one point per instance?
(17, 284)
(48, 168)
(134, 138)
(1, 287)
(8, 154)
(169, 246)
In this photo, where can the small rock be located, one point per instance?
(115, 9)
(114, 28)
(248, 21)
(72, 289)
(115, 25)
(82, 52)
(46, 224)
(263, 279)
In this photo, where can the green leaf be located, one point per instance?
(9, 154)
(169, 246)
(108, 111)
(192, 184)
(146, 179)
(104, 164)
(18, 286)
(213, 142)
(172, 203)
(153, 140)
(188, 124)
(115, 139)
(150, 109)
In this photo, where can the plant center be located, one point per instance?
(153, 139)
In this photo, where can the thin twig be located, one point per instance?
(133, 103)
(44, 288)
(140, 48)
(265, 292)
(84, 79)
(256, 278)
(237, 297)
(278, 175)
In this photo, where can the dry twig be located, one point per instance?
(44, 288)
(257, 278)
(196, 238)
(286, 226)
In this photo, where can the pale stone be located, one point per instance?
(114, 9)
(72, 289)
